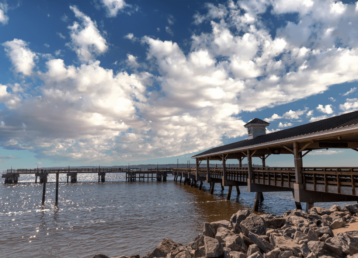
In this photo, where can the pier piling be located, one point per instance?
(57, 178)
(44, 190)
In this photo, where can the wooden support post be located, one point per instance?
(57, 178)
(298, 204)
(256, 203)
(181, 178)
(35, 178)
(224, 176)
(212, 187)
(229, 193)
(200, 185)
(207, 170)
(309, 205)
(298, 163)
(222, 188)
(44, 190)
(196, 169)
(67, 178)
(237, 190)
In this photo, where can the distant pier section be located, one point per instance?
(132, 174)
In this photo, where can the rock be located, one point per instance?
(289, 232)
(252, 249)
(226, 252)
(347, 241)
(200, 252)
(100, 256)
(165, 247)
(235, 254)
(320, 211)
(221, 233)
(311, 255)
(298, 221)
(323, 230)
(273, 254)
(236, 219)
(321, 248)
(246, 240)
(253, 223)
(353, 256)
(285, 254)
(209, 230)
(283, 241)
(235, 243)
(337, 223)
(352, 208)
(273, 221)
(324, 237)
(183, 254)
(264, 245)
(317, 247)
(199, 241)
(256, 255)
(213, 248)
(304, 250)
(300, 237)
(335, 208)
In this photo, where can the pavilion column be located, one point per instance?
(298, 176)
(224, 175)
(197, 169)
(207, 170)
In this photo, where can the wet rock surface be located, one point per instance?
(248, 235)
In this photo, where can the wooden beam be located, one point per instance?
(244, 154)
(355, 149)
(306, 153)
(287, 148)
(253, 153)
(305, 146)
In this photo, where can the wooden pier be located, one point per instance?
(41, 175)
(308, 184)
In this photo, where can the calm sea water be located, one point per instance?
(114, 218)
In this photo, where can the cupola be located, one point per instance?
(256, 127)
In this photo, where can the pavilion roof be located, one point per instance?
(324, 125)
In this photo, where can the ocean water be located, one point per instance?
(113, 218)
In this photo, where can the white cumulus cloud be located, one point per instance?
(20, 55)
(350, 104)
(327, 109)
(87, 41)
(350, 91)
(114, 6)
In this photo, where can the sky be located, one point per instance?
(112, 82)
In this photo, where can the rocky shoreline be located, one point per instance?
(247, 235)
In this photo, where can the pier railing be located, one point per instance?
(275, 176)
(341, 180)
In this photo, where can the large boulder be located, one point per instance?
(301, 237)
(285, 254)
(222, 233)
(213, 247)
(335, 208)
(235, 243)
(337, 223)
(165, 247)
(252, 249)
(256, 255)
(273, 254)
(198, 242)
(264, 245)
(183, 254)
(236, 219)
(324, 230)
(352, 208)
(235, 254)
(321, 249)
(209, 230)
(273, 221)
(347, 241)
(299, 221)
(100, 256)
(253, 223)
(285, 243)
